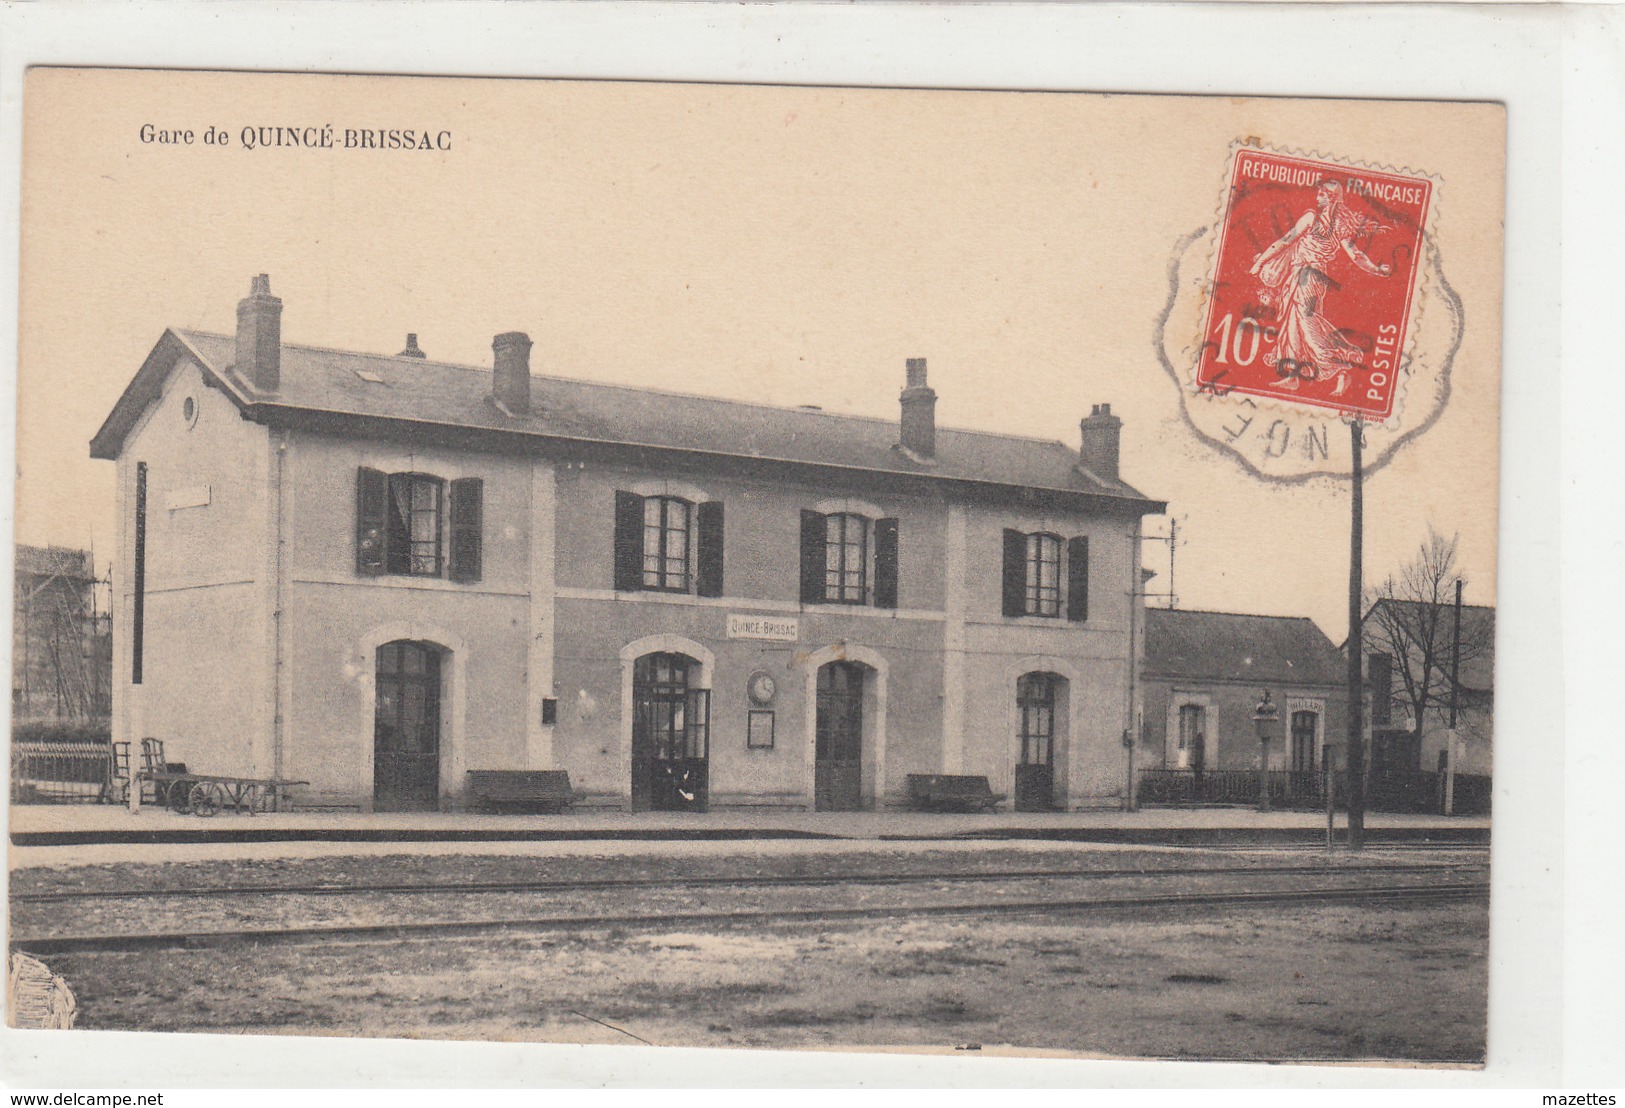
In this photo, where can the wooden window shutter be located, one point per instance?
(628, 542)
(1015, 572)
(885, 563)
(371, 520)
(708, 548)
(467, 520)
(813, 540)
(138, 625)
(1077, 579)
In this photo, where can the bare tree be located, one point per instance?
(1411, 617)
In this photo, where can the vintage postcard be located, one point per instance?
(756, 566)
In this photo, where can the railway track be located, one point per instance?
(159, 940)
(332, 888)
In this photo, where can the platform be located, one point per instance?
(74, 835)
(46, 825)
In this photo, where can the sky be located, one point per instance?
(773, 244)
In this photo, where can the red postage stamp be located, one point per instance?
(1314, 282)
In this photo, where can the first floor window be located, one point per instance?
(665, 543)
(1042, 592)
(1046, 575)
(414, 524)
(405, 522)
(846, 557)
(668, 544)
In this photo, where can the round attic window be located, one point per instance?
(189, 410)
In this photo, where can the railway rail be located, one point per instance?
(144, 941)
(338, 888)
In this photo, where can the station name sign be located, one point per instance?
(771, 628)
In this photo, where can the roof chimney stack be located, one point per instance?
(919, 413)
(510, 385)
(411, 350)
(259, 336)
(1102, 434)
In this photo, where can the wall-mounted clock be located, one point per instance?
(761, 687)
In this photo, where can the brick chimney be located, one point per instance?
(259, 336)
(919, 413)
(1102, 433)
(511, 384)
(411, 350)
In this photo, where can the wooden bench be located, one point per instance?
(546, 790)
(951, 791)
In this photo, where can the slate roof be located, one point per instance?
(1230, 646)
(423, 392)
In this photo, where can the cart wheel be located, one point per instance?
(177, 796)
(206, 799)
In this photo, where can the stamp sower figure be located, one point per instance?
(1293, 273)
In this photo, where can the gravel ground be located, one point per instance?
(1287, 984)
(1290, 983)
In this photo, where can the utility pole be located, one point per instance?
(1173, 542)
(1356, 675)
(1171, 597)
(1455, 685)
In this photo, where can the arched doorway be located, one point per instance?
(1041, 715)
(406, 727)
(671, 734)
(838, 737)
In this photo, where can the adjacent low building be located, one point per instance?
(377, 573)
(1205, 674)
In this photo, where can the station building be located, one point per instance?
(377, 573)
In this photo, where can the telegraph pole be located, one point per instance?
(1455, 684)
(1455, 657)
(1173, 541)
(1356, 676)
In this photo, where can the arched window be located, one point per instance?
(414, 524)
(1043, 579)
(418, 525)
(1035, 697)
(846, 558)
(1045, 575)
(665, 543)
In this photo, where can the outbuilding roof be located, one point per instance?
(1232, 646)
(407, 395)
(1477, 630)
